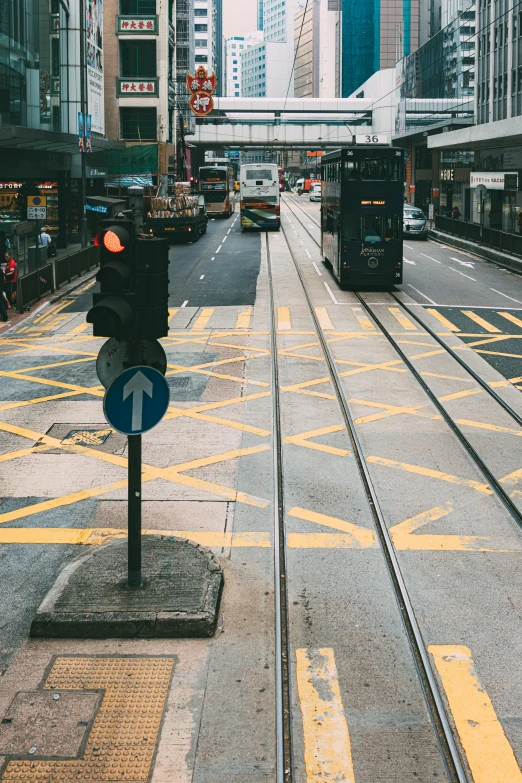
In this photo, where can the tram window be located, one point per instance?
(350, 169)
(372, 228)
(373, 168)
(392, 227)
(351, 228)
(393, 170)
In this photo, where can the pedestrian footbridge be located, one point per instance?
(295, 122)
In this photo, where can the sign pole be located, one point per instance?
(134, 512)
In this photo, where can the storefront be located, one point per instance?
(454, 183)
(496, 200)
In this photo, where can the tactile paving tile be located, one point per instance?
(123, 739)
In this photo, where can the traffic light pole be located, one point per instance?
(134, 512)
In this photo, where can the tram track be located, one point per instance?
(439, 718)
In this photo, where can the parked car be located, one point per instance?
(315, 192)
(414, 223)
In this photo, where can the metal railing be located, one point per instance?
(481, 235)
(50, 276)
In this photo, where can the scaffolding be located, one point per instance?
(185, 55)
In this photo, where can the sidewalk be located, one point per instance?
(482, 251)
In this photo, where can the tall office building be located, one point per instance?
(316, 33)
(218, 45)
(259, 14)
(234, 47)
(375, 34)
(185, 59)
(203, 43)
(267, 67)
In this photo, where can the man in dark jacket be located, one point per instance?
(3, 305)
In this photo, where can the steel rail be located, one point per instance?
(296, 203)
(499, 490)
(284, 755)
(435, 705)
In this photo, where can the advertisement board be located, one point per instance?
(94, 22)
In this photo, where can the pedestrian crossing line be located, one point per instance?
(402, 319)
(512, 318)
(172, 312)
(324, 318)
(203, 319)
(327, 747)
(481, 321)
(364, 321)
(444, 321)
(284, 324)
(488, 752)
(243, 319)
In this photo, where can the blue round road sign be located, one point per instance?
(136, 400)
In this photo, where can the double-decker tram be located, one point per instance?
(260, 196)
(361, 214)
(216, 183)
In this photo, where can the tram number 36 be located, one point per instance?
(371, 139)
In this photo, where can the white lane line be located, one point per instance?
(471, 264)
(317, 269)
(202, 276)
(213, 258)
(307, 253)
(219, 248)
(334, 300)
(462, 273)
(431, 259)
(229, 230)
(507, 297)
(407, 261)
(408, 246)
(420, 292)
(185, 303)
(224, 239)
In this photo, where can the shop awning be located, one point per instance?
(48, 141)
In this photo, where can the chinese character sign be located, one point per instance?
(144, 88)
(202, 86)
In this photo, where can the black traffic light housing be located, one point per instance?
(133, 277)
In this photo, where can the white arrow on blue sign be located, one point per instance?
(136, 400)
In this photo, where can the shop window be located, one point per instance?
(137, 59)
(137, 123)
(138, 7)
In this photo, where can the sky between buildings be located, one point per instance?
(239, 17)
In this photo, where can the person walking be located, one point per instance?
(44, 240)
(455, 213)
(11, 277)
(3, 301)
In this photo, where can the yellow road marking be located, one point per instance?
(430, 473)
(203, 319)
(444, 321)
(402, 319)
(512, 318)
(98, 391)
(172, 312)
(243, 319)
(327, 748)
(22, 403)
(404, 540)
(499, 353)
(362, 537)
(480, 321)
(363, 319)
(118, 747)
(283, 319)
(489, 754)
(80, 328)
(459, 395)
(98, 536)
(302, 439)
(54, 364)
(324, 318)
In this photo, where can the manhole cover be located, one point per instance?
(87, 437)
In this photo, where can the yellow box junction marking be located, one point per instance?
(488, 752)
(80, 328)
(324, 318)
(327, 748)
(303, 439)
(444, 321)
(402, 319)
(430, 473)
(481, 321)
(243, 319)
(364, 321)
(98, 536)
(512, 318)
(124, 735)
(283, 319)
(203, 319)
(172, 313)
(354, 537)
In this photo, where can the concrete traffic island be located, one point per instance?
(182, 584)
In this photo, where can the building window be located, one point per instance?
(201, 42)
(138, 124)
(135, 7)
(200, 12)
(201, 28)
(201, 58)
(137, 59)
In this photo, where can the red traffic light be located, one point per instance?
(114, 239)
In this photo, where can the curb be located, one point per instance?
(487, 254)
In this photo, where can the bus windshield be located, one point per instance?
(259, 174)
(213, 175)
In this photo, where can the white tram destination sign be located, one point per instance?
(371, 138)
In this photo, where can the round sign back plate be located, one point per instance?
(115, 356)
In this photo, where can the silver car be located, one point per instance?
(414, 223)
